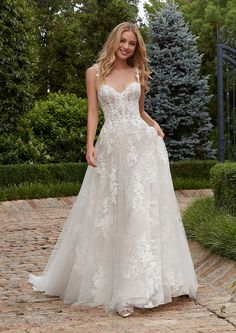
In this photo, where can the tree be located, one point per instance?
(71, 35)
(178, 95)
(204, 18)
(18, 49)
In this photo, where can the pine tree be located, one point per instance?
(178, 96)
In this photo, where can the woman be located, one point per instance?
(123, 244)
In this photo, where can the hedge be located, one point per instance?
(192, 169)
(38, 191)
(223, 183)
(17, 174)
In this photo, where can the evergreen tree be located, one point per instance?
(204, 17)
(17, 46)
(178, 95)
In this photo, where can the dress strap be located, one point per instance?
(97, 69)
(137, 74)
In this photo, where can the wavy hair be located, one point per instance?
(107, 58)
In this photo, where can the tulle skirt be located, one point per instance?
(123, 242)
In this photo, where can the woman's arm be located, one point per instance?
(146, 117)
(92, 119)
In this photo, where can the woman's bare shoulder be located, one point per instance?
(92, 70)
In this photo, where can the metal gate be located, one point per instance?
(226, 102)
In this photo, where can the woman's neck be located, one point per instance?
(121, 65)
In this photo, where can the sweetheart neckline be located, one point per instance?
(120, 92)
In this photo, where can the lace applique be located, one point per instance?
(106, 217)
(143, 260)
(132, 153)
(80, 252)
(101, 169)
(108, 139)
(113, 185)
(138, 191)
(99, 280)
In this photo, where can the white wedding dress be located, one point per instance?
(124, 242)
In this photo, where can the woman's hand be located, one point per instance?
(159, 130)
(91, 156)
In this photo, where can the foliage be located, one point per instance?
(181, 183)
(22, 181)
(178, 94)
(60, 124)
(41, 173)
(18, 50)
(223, 182)
(15, 149)
(195, 169)
(39, 190)
(51, 172)
(211, 227)
(70, 35)
(204, 17)
(55, 130)
(191, 174)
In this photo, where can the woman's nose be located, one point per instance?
(126, 45)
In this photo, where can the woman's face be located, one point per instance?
(127, 45)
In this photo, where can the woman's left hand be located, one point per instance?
(159, 130)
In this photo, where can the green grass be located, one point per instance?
(186, 183)
(211, 226)
(38, 190)
(27, 181)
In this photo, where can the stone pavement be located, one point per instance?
(29, 228)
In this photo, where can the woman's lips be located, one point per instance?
(124, 52)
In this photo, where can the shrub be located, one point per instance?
(55, 130)
(223, 182)
(14, 149)
(38, 190)
(192, 169)
(21, 181)
(182, 172)
(211, 226)
(41, 173)
(60, 123)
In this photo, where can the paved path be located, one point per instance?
(29, 228)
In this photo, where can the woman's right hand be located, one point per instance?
(91, 156)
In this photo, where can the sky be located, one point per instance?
(141, 11)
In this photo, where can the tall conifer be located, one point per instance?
(178, 95)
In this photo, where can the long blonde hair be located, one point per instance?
(106, 58)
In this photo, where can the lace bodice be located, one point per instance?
(120, 106)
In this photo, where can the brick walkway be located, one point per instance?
(29, 228)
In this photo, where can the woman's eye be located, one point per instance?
(131, 43)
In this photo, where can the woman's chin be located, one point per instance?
(122, 56)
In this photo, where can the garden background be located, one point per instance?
(46, 47)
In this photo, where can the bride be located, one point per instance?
(123, 244)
